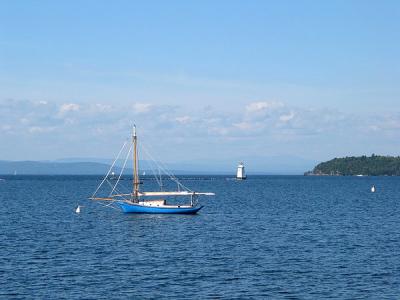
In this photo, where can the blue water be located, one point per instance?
(269, 237)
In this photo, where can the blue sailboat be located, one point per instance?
(141, 202)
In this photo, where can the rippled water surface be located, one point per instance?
(272, 237)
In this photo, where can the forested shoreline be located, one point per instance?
(374, 165)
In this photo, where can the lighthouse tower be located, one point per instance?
(240, 172)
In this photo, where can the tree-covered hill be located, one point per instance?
(374, 165)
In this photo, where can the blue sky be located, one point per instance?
(204, 80)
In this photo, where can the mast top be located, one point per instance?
(134, 130)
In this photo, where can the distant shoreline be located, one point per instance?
(187, 176)
(99, 168)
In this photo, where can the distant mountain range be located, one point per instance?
(52, 168)
(291, 165)
(99, 166)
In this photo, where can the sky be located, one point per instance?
(203, 80)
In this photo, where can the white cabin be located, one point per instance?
(240, 172)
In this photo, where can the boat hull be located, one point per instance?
(142, 209)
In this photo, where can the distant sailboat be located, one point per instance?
(137, 201)
(240, 174)
(373, 189)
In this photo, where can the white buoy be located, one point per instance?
(78, 209)
(373, 189)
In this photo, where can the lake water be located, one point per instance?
(269, 237)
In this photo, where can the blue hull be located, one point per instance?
(140, 209)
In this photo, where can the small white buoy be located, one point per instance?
(78, 209)
(373, 189)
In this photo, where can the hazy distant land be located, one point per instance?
(52, 168)
(374, 165)
(285, 165)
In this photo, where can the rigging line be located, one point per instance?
(152, 165)
(122, 170)
(157, 165)
(161, 183)
(171, 177)
(119, 192)
(153, 171)
(157, 175)
(112, 165)
(163, 168)
(111, 186)
(109, 183)
(122, 189)
(101, 204)
(118, 189)
(174, 178)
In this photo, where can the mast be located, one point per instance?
(135, 167)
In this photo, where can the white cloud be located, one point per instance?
(67, 107)
(243, 125)
(39, 129)
(183, 120)
(5, 128)
(24, 120)
(385, 123)
(257, 119)
(103, 107)
(257, 107)
(142, 107)
(219, 130)
(287, 117)
(373, 128)
(256, 124)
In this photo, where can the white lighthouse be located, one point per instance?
(240, 172)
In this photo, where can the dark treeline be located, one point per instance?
(374, 165)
